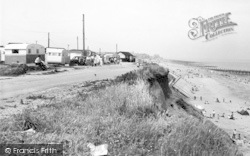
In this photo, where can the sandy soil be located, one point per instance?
(213, 85)
(15, 90)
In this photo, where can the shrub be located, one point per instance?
(13, 70)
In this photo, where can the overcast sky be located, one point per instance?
(143, 26)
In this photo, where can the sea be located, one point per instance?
(234, 65)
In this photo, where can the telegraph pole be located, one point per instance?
(83, 33)
(77, 42)
(48, 40)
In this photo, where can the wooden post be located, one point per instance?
(48, 40)
(77, 42)
(83, 34)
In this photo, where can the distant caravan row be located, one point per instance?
(24, 53)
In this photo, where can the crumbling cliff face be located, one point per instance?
(159, 88)
(165, 99)
(157, 77)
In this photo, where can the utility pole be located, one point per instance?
(83, 33)
(77, 42)
(48, 40)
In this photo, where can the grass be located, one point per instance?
(20, 69)
(55, 71)
(124, 116)
(13, 70)
(35, 97)
(129, 125)
(17, 69)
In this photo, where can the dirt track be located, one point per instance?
(12, 87)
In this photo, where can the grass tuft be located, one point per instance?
(13, 70)
(35, 97)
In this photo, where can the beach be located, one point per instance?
(232, 92)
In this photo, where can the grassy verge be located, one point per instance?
(13, 70)
(17, 69)
(20, 69)
(122, 115)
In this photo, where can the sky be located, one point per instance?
(141, 26)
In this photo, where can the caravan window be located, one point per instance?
(59, 54)
(29, 51)
(37, 51)
(15, 51)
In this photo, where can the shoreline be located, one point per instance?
(213, 66)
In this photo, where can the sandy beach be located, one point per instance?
(208, 86)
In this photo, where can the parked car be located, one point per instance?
(78, 60)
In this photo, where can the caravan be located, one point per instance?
(23, 53)
(57, 55)
(2, 54)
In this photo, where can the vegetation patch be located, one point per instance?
(55, 71)
(13, 70)
(35, 97)
(123, 116)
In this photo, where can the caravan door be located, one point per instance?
(66, 57)
(2, 55)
